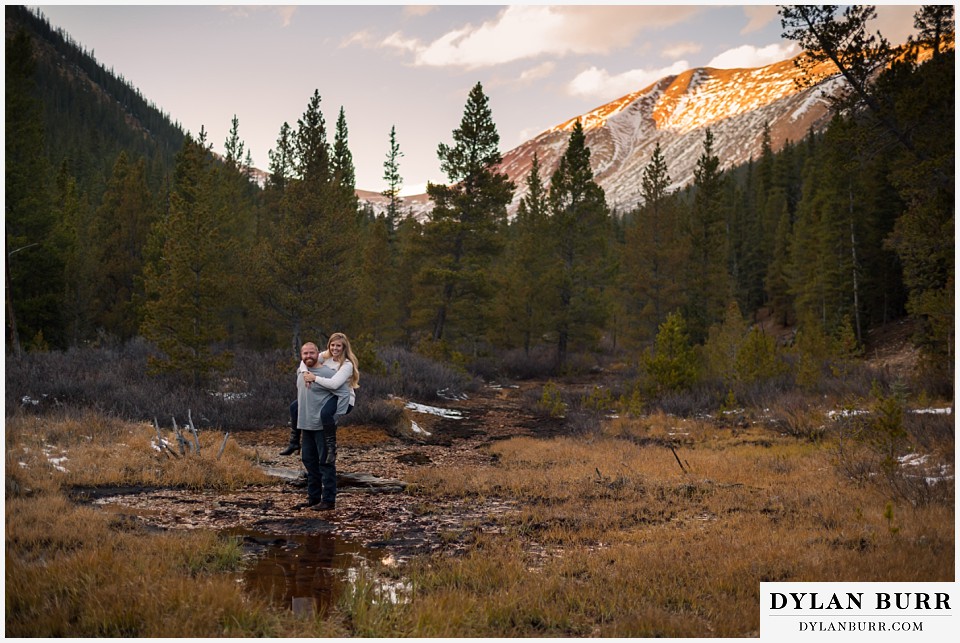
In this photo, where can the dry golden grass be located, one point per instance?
(72, 570)
(90, 450)
(615, 539)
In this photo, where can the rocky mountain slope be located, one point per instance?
(676, 111)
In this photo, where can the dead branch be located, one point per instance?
(224, 445)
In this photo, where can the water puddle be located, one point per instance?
(305, 573)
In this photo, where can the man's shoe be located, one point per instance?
(307, 504)
(324, 506)
(291, 449)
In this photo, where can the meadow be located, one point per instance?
(627, 523)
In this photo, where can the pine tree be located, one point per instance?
(709, 286)
(858, 55)
(187, 287)
(934, 24)
(123, 222)
(579, 232)
(654, 253)
(673, 363)
(521, 300)
(344, 172)
(924, 235)
(78, 237)
(460, 240)
(377, 296)
(391, 174)
(34, 266)
(306, 261)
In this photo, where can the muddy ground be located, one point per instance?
(374, 507)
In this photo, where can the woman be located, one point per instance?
(324, 396)
(294, 444)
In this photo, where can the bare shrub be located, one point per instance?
(255, 392)
(411, 375)
(541, 361)
(793, 414)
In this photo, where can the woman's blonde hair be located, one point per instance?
(347, 354)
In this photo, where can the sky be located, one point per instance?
(411, 67)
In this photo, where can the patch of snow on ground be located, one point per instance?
(416, 429)
(846, 413)
(433, 410)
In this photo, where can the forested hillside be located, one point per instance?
(126, 227)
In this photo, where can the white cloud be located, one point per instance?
(397, 41)
(417, 10)
(748, 56)
(286, 14)
(599, 84)
(527, 31)
(540, 71)
(759, 16)
(681, 49)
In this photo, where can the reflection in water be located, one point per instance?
(295, 567)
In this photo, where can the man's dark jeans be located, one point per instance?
(319, 454)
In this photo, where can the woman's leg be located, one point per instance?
(294, 445)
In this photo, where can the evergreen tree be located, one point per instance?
(460, 240)
(776, 283)
(579, 232)
(78, 238)
(935, 28)
(344, 172)
(237, 198)
(378, 292)
(858, 55)
(923, 236)
(391, 174)
(281, 171)
(521, 292)
(187, 287)
(34, 267)
(305, 263)
(654, 254)
(673, 363)
(123, 223)
(709, 287)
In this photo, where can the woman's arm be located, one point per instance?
(341, 376)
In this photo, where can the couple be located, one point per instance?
(324, 394)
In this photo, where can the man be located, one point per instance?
(319, 438)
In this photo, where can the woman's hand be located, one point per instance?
(309, 377)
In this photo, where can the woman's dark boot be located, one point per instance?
(294, 445)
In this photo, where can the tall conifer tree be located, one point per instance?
(34, 270)
(391, 174)
(709, 285)
(187, 287)
(306, 261)
(123, 222)
(654, 253)
(579, 233)
(521, 294)
(461, 236)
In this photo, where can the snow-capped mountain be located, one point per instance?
(675, 112)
